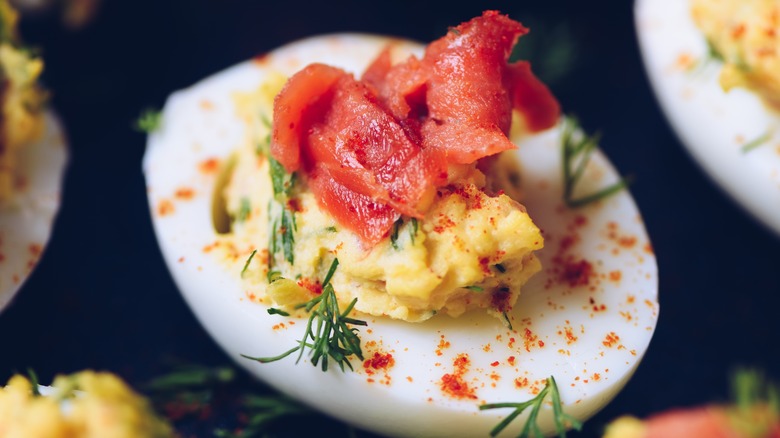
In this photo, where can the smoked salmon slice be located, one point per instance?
(377, 148)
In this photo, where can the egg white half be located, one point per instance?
(590, 338)
(714, 125)
(26, 219)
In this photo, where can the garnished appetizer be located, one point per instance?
(86, 404)
(398, 174)
(32, 159)
(715, 68)
(755, 413)
(745, 37)
(375, 204)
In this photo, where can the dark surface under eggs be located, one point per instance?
(102, 297)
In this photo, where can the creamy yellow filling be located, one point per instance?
(103, 406)
(472, 249)
(746, 34)
(21, 99)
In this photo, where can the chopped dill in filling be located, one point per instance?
(474, 244)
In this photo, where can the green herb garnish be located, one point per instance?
(283, 184)
(506, 321)
(531, 427)
(576, 152)
(713, 54)
(186, 377)
(34, 382)
(249, 260)
(328, 334)
(755, 143)
(756, 404)
(275, 311)
(394, 233)
(149, 121)
(475, 288)
(273, 276)
(288, 239)
(278, 176)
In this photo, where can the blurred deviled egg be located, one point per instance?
(715, 68)
(32, 160)
(86, 404)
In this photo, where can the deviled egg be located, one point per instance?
(713, 66)
(585, 316)
(32, 161)
(86, 404)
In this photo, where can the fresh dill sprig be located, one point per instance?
(278, 177)
(191, 388)
(272, 248)
(275, 311)
(505, 319)
(756, 142)
(285, 226)
(576, 151)
(273, 276)
(531, 427)
(394, 233)
(34, 382)
(328, 333)
(149, 121)
(756, 402)
(711, 57)
(248, 261)
(188, 376)
(288, 238)
(713, 54)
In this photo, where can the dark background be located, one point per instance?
(102, 298)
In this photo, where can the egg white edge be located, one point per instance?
(712, 124)
(26, 220)
(190, 134)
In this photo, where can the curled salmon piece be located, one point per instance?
(301, 99)
(468, 92)
(385, 142)
(532, 98)
(705, 422)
